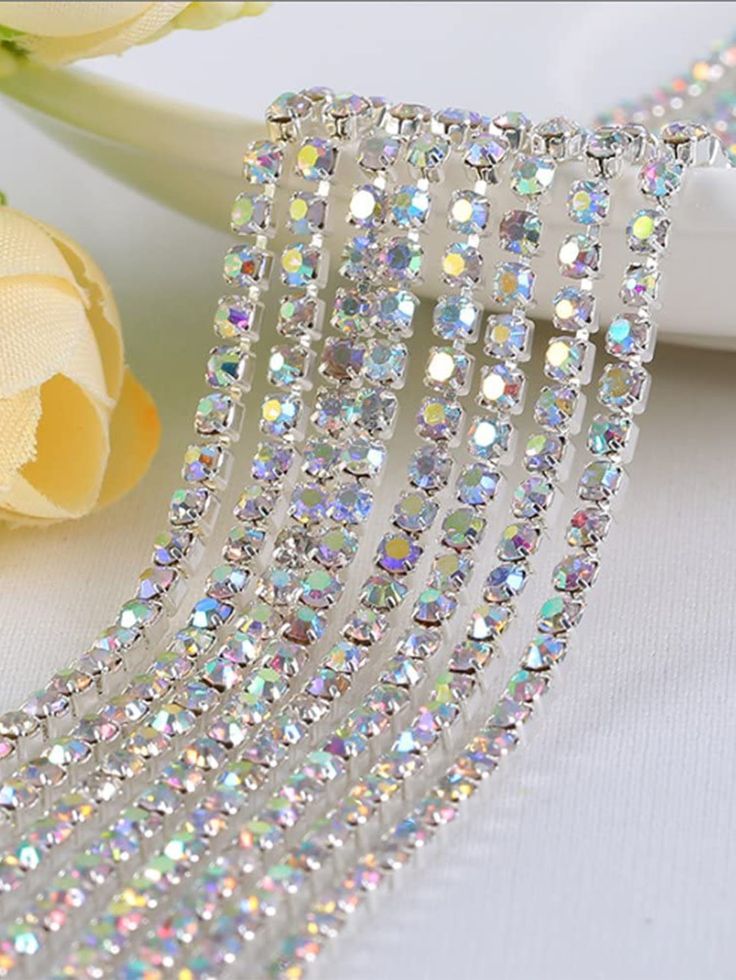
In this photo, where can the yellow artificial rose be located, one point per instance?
(62, 32)
(76, 428)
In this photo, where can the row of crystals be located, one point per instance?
(466, 531)
(572, 587)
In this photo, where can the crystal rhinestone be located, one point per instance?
(469, 657)
(327, 685)
(251, 212)
(556, 406)
(382, 593)
(365, 627)
(137, 614)
(579, 257)
(532, 497)
(209, 614)
(315, 159)
(300, 264)
(347, 105)
(363, 458)
(320, 459)
(433, 607)
(254, 504)
(565, 358)
(359, 257)
(448, 368)
(320, 589)
(414, 512)
(17, 794)
(374, 410)
(520, 232)
(307, 213)
(298, 315)
(587, 527)
(462, 528)
(629, 336)
(410, 206)
(215, 414)
(558, 136)
(429, 468)
(606, 141)
(345, 658)
(190, 642)
(559, 614)
(226, 581)
(574, 573)
(439, 418)
(41, 772)
(394, 311)
(421, 644)
(488, 621)
(544, 452)
(378, 153)
(172, 719)
(245, 265)
(351, 505)
(286, 365)
(517, 541)
(225, 367)
(328, 415)
(235, 318)
(647, 231)
(508, 336)
(462, 265)
(385, 363)
(504, 583)
(622, 386)
(468, 213)
(262, 162)
(544, 652)
(660, 178)
(342, 359)
(450, 571)
(455, 123)
(402, 671)
(513, 284)
(456, 318)
(400, 259)
(477, 484)
(155, 581)
(271, 461)
(600, 480)
(367, 206)
(573, 309)
(288, 106)
(397, 553)
(525, 687)
(501, 388)
(484, 154)
(514, 126)
(352, 311)
(488, 437)
(609, 435)
(17, 724)
(588, 202)
(67, 751)
(172, 547)
(304, 626)
(532, 175)
(640, 284)
(508, 713)
(405, 118)
(308, 503)
(427, 153)
(203, 464)
(280, 414)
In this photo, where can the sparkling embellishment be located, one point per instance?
(300, 264)
(609, 435)
(351, 505)
(573, 309)
(468, 213)
(397, 553)
(225, 367)
(520, 232)
(517, 541)
(504, 583)
(579, 257)
(456, 318)
(307, 213)
(262, 162)
(628, 336)
(532, 175)
(543, 453)
(410, 206)
(477, 484)
(647, 231)
(600, 480)
(488, 438)
(245, 265)
(280, 414)
(508, 336)
(462, 265)
(363, 458)
(298, 315)
(544, 652)
(315, 159)
(234, 318)
(556, 406)
(385, 363)
(367, 206)
(559, 614)
(429, 469)
(427, 153)
(439, 418)
(574, 573)
(622, 386)
(414, 512)
(588, 202)
(501, 387)
(395, 310)
(564, 358)
(587, 527)
(401, 259)
(378, 153)
(532, 497)
(660, 178)
(462, 529)
(448, 368)
(484, 154)
(513, 284)
(640, 283)
(488, 621)
(251, 212)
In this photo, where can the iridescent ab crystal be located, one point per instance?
(501, 387)
(320, 589)
(363, 457)
(280, 414)
(573, 309)
(555, 406)
(367, 206)
(629, 336)
(225, 367)
(544, 652)
(532, 497)
(531, 176)
(335, 547)
(352, 311)
(329, 408)
(382, 593)
(359, 257)
(300, 264)
(504, 583)
(609, 434)
(565, 358)
(517, 541)
(374, 410)
(640, 284)
(433, 607)
(245, 265)
(476, 484)
(623, 386)
(660, 178)
(600, 481)
(385, 363)
(439, 418)
(286, 365)
(342, 359)
(587, 527)
(377, 153)
(397, 553)
(488, 621)
(400, 259)
(315, 159)
(520, 232)
(544, 453)
(647, 231)
(429, 468)
(202, 464)
(414, 512)
(513, 284)
(394, 311)
(447, 368)
(579, 257)
(456, 318)
(351, 505)
(427, 153)
(235, 318)
(462, 265)
(574, 573)
(508, 336)
(215, 414)
(307, 213)
(484, 154)
(559, 614)
(588, 201)
(262, 162)
(308, 503)
(462, 528)
(450, 571)
(489, 437)
(410, 206)
(468, 213)
(298, 315)
(251, 212)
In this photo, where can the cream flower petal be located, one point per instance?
(66, 19)
(27, 249)
(111, 40)
(72, 449)
(84, 367)
(19, 417)
(42, 325)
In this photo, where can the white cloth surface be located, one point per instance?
(605, 851)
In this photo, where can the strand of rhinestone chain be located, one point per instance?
(622, 389)
(405, 194)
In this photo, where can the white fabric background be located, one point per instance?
(605, 851)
